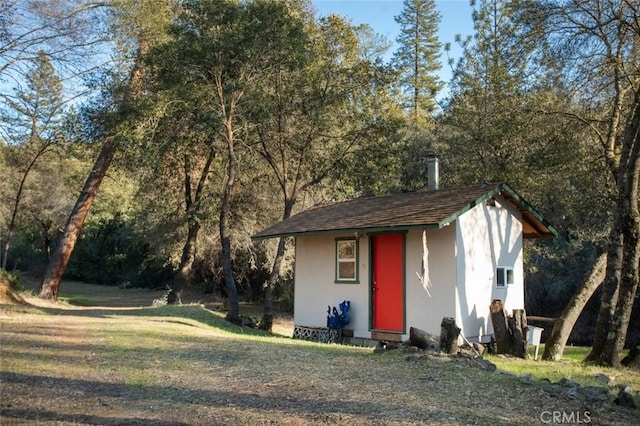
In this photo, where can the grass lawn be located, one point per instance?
(106, 356)
(571, 367)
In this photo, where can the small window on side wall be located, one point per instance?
(504, 276)
(347, 260)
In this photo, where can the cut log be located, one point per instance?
(421, 339)
(449, 333)
(510, 333)
(501, 331)
(519, 329)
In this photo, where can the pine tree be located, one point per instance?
(30, 119)
(417, 57)
(489, 99)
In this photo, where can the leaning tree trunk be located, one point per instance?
(554, 346)
(16, 205)
(60, 257)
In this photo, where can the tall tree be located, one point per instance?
(598, 43)
(140, 25)
(30, 121)
(418, 58)
(494, 131)
(225, 47)
(314, 113)
(180, 145)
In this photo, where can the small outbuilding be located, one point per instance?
(410, 259)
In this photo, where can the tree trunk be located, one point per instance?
(631, 249)
(501, 330)
(562, 327)
(183, 276)
(233, 314)
(266, 323)
(57, 264)
(267, 317)
(449, 333)
(626, 296)
(625, 247)
(55, 268)
(16, 204)
(609, 294)
(193, 207)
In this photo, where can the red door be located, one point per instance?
(388, 286)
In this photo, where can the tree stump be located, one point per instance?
(519, 329)
(449, 333)
(501, 331)
(421, 339)
(510, 333)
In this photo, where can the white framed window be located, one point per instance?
(504, 276)
(346, 260)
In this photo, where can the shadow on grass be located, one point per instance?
(189, 315)
(142, 396)
(52, 416)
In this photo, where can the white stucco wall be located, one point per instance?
(315, 287)
(486, 237)
(423, 311)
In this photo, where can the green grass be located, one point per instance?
(570, 367)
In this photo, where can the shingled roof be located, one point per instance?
(404, 211)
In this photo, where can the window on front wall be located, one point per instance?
(347, 260)
(504, 276)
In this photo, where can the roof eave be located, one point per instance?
(362, 230)
(543, 228)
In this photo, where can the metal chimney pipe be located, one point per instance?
(432, 172)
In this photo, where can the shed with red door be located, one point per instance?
(409, 259)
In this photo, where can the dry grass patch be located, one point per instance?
(178, 365)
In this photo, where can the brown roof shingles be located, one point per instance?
(398, 211)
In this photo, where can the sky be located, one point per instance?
(456, 19)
